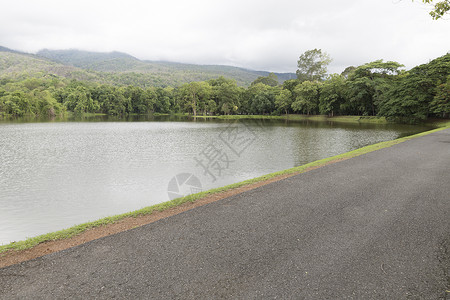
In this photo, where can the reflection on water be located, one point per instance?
(56, 174)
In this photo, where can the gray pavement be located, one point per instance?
(373, 227)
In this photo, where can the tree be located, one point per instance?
(195, 95)
(111, 100)
(271, 80)
(403, 104)
(307, 97)
(419, 93)
(367, 83)
(290, 84)
(379, 68)
(164, 96)
(142, 101)
(312, 65)
(440, 8)
(441, 102)
(47, 105)
(147, 101)
(79, 100)
(348, 71)
(16, 104)
(261, 99)
(211, 107)
(226, 94)
(332, 95)
(283, 100)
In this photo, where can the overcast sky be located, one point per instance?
(261, 35)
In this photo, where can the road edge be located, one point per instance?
(31, 248)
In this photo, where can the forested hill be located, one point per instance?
(121, 68)
(96, 61)
(33, 85)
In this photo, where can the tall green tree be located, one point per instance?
(195, 95)
(367, 83)
(417, 94)
(211, 107)
(261, 99)
(271, 80)
(47, 105)
(283, 100)
(348, 71)
(332, 95)
(307, 97)
(79, 100)
(312, 65)
(111, 100)
(226, 94)
(16, 104)
(142, 101)
(441, 102)
(164, 100)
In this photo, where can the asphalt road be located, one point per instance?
(373, 227)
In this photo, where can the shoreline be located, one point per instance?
(298, 117)
(345, 119)
(20, 251)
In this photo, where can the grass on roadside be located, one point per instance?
(78, 229)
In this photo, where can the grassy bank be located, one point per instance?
(317, 118)
(437, 123)
(78, 229)
(339, 119)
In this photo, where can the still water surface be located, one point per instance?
(57, 174)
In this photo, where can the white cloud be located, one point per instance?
(265, 35)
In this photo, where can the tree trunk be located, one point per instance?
(194, 107)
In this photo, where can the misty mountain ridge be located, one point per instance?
(80, 58)
(118, 62)
(118, 68)
(4, 49)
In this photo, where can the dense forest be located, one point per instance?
(374, 89)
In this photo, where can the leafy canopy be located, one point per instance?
(312, 65)
(440, 8)
(271, 80)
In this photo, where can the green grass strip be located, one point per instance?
(324, 118)
(293, 117)
(78, 229)
(440, 123)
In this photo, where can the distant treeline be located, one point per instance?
(373, 89)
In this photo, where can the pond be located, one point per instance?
(54, 175)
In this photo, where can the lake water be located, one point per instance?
(54, 175)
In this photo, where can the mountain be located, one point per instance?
(17, 65)
(117, 62)
(118, 68)
(91, 60)
(4, 49)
